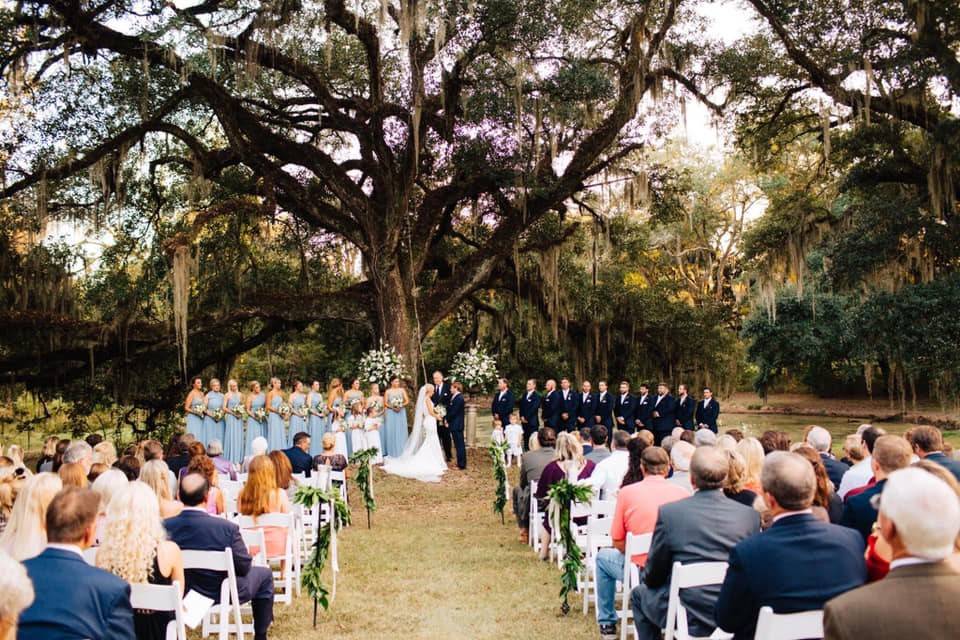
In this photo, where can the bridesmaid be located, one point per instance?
(276, 434)
(298, 412)
(214, 428)
(316, 424)
(354, 395)
(196, 408)
(233, 436)
(255, 426)
(395, 421)
(335, 405)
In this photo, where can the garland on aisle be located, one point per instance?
(364, 478)
(498, 452)
(562, 495)
(312, 581)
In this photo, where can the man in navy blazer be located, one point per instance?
(624, 406)
(642, 409)
(503, 402)
(441, 397)
(569, 403)
(550, 406)
(686, 408)
(196, 530)
(708, 410)
(586, 406)
(603, 414)
(664, 413)
(454, 420)
(927, 443)
(74, 600)
(890, 453)
(299, 454)
(798, 564)
(529, 412)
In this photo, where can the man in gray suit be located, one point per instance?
(702, 528)
(531, 469)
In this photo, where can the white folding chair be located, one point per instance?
(536, 520)
(788, 626)
(341, 477)
(633, 546)
(254, 539)
(288, 561)
(604, 508)
(161, 597)
(242, 478)
(229, 605)
(688, 576)
(90, 555)
(598, 537)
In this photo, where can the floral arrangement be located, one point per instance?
(396, 401)
(441, 411)
(217, 415)
(284, 410)
(197, 408)
(240, 412)
(260, 414)
(381, 365)
(320, 409)
(476, 369)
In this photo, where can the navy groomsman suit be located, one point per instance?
(454, 420)
(604, 410)
(569, 406)
(663, 423)
(642, 411)
(502, 406)
(686, 407)
(441, 397)
(586, 409)
(551, 408)
(624, 406)
(707, 413)
(529, 415)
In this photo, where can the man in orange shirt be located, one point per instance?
(636, 512)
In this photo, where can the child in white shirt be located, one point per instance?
(514, 436)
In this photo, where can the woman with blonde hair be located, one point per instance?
(105, 453)
(17, 593)
(156, 475)
(134, 547)
(72, 475)
(734, 487)
(15, 453)
(261, 495)
(568, 464)
(26, 532)
(107, 485)
(753, 455)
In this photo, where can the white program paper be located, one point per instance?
(195, 606)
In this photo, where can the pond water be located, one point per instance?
(754, 424)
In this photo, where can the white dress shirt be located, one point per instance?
(66, 547)
(856, 476)
(608, 474)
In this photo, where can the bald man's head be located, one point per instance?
(709, 467)
(193, 490)
(790, 479)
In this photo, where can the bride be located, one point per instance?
(422, 458)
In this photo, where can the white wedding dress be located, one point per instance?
(422, 458)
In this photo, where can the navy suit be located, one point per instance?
(551, 409)
(74, 600)
(708, 415)
(586, 409)
(196, 530)
(858, 513)
(501, 409)
(642, 410)
(299, 460)
(569, 406)
(798, 564)
(667, 412)
(441, 397)
(529, 416)
(454, 420)
(604, 410)
(949, 464)
(835, 469)
(686, 407)
(625, 407)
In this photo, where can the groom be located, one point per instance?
(441, 396)
(454, 422)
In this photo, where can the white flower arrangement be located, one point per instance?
(381, 366)
(475, 369)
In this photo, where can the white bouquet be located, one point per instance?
(381, 366)
(476, 369)
(284, 410)
(260, 414)
(218, 415)
(240, 411)
(441, 411)
(396, 401)
(197, 409)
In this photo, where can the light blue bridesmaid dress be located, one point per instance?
(298, 403)
(276, 434)
(195, 423)
(255, 428)
(316, 426)
(214, 429)
(233, 436)
(394, 427)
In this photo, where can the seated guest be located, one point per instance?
(726, 442)
(195, 449)
(608, 475)
(753, 457)
(182, 458)
(734, 487)
(586, 441)
(568, 463)
(852, 450)
(72, 474)
(134, 546)
(59, 452)
(704, 438)
(258, 447)
(285, 479)
(336, 461)
(920, 520)
(635, 464)
(927, 443)
(860, 474)
(224, 467)
(261, 495)
(196, 530)
(531, 468)
(736, 434)
(827, 505)
(204, 466)
(819, 439)
(17, 595)
(680, 455)
(106, 486)
(155, 474)
(130, 466)
(97, 469)
(600, 451)
(299, 454)
(25, 535)
(74, 599)
(890, 453)
(774, 441)
(153, 450)
(81, 453)
(636, 513)
(776, 568)
(105, 453)
(701, 528)
(45, 461)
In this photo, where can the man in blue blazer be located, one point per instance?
(503, 402)
(643, 408)
(550, 406)
(890, 453)
(196, 530)
(454, 420)
(529, 412)
(927, 443)
(798, 564)
(569, 402)
(299, 454)
(74, 600)
(441, 397)
(586, 406)
(603, 414)
(708, 410)
(624, 406)
(686, 407)
(664, 413)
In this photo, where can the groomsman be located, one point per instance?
(604, 411)
(587, 406)
(441, 396)
(708, 410)
(454, 420)
(569, 402)
(686, 407)
(664, 413)
(502, 402)
(529, 412)
(644, 408)
(624, 407)
(551, 405)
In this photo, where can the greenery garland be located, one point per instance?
(363, 478)
(498, 452)
(311, 578)
(562, 495)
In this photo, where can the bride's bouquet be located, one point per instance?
(441, 411)
(476, 369)
(381, 365)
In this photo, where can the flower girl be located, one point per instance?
(358, 441)
(338, 428)
(371, 427)
(514, 434)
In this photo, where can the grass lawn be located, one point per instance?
(438, 564)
